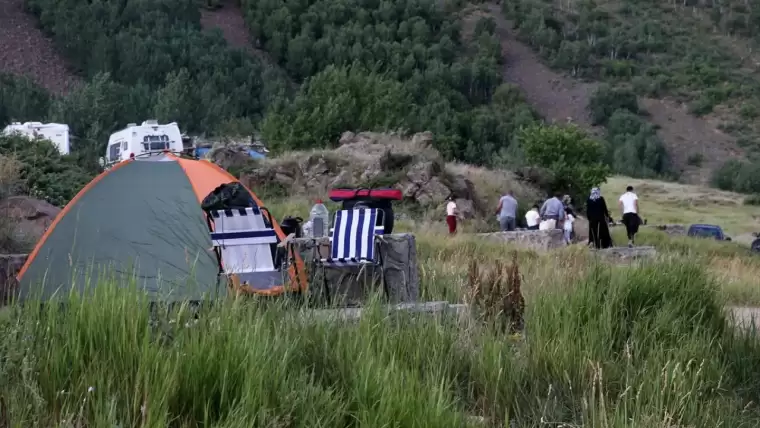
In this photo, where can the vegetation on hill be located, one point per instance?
(699, 53)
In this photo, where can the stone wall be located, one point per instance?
(531, 239)
(354, 285)
(10, 264)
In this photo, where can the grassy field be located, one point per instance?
(606, 345)
(672, 203)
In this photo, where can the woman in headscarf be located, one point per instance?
(598, 220)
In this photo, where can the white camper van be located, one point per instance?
(57, 133)
(141, 140)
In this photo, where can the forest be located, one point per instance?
(336, 66)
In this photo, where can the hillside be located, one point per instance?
(678, 57)
(473, 74)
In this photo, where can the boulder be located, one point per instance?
(627, 253)
(372, 160)
(539, 240)
(672, 229)
(10, 265)
(27, 220)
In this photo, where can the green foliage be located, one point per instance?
(692, 51)
(607, 100)
(739, 176)
(634, 147)
(21, 99)
(753, 200)
(145, 46)
(46, 174)
(336, 100)
(576, 161)
(411, 52)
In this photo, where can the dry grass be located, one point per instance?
(672, 203)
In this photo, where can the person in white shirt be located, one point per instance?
(451, 215)
(533, 218)
(629, 207)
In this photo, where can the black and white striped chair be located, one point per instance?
(353, 242)
(248, 246)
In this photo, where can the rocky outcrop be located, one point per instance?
(25, 220)
(10, 265)
(374, 160)
(539, 240)
(355, 285)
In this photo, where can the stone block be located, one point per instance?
(357, 285)
(539, 240)
(628, 254)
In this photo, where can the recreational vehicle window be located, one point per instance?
(155, 142)
(113, 152)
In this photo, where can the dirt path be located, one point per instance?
(561, 99)
(26, 51)
(556, 97)
(229, 19)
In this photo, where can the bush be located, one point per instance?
(635, 148)
(45, 173)
(753, 200)
(607, 100)
(738, 176)
(575, 161)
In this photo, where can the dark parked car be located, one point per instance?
(710, 231)
(756, 243)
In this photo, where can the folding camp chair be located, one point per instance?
(248, 247)
(353, 242)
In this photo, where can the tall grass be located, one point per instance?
(641, 347)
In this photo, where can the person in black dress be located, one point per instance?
(598, 220)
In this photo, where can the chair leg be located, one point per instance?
(381, 259)
(325, 285)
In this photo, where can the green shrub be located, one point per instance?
(607, 100)
(753, 200)
(738, 176)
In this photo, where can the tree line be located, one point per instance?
(340, 65)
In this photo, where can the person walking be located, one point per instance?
(598, 220)
(451, 215)
(533, 218)
(554, 209)
(629, 207)
(507, 212)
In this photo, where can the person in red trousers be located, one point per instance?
(451, 215)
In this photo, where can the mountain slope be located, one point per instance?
(26, 51)
(561, 98)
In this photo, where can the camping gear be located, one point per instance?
(319, 217)
(248, 247)
(140, 223)
(369, 198)
(353, 242)
(227, 196)
(292, 225)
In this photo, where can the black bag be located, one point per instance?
(292, 225)
(228, 196)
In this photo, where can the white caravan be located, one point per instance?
(142, 140)
(57, 133)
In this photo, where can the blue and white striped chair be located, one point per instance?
(353, 242)
(248, 247)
